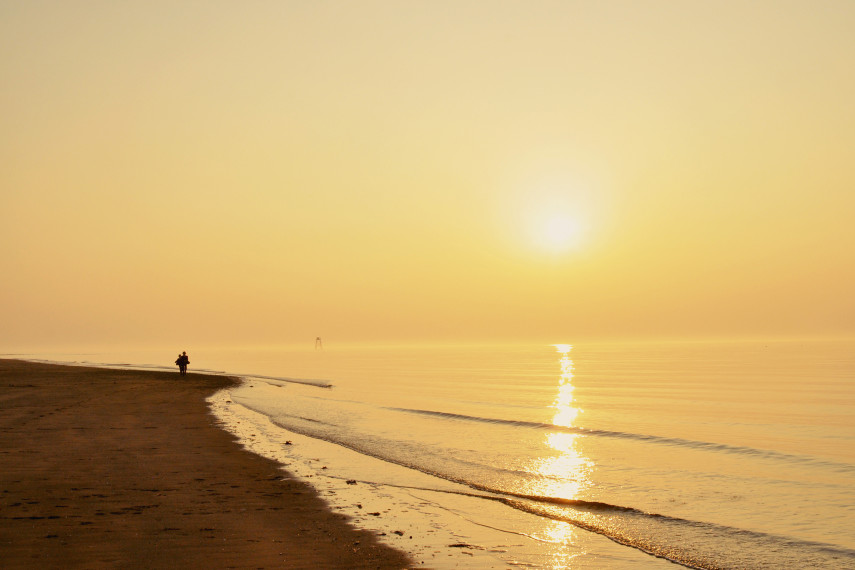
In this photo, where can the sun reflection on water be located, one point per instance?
(560, 535)
(565, 412)
(563, 471)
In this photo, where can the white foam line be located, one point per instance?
(402, 520)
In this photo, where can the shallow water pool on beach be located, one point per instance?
(711, 455)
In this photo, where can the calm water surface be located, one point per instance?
(712, 455)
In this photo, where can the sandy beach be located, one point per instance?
(117, 468)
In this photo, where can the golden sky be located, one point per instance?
(271, 171)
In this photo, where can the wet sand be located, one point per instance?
(118, 468)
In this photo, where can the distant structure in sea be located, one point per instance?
(319, 343)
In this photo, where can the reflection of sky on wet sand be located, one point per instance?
(563, 470)
(560, 534)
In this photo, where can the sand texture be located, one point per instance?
(116, 468)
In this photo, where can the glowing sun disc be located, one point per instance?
(559, 232)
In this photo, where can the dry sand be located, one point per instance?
(117, 468)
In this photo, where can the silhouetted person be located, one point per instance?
(182, 362)
(318, 343)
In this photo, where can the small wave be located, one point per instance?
(304, 381)
(693, 444)
(690, 543)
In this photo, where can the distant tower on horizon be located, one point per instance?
(318, 343)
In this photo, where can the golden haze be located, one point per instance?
(273, 171)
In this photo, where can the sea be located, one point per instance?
(715, 455)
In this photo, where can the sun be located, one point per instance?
(557, 232)
(555, 212)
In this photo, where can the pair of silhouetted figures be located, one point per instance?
(182, 362)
